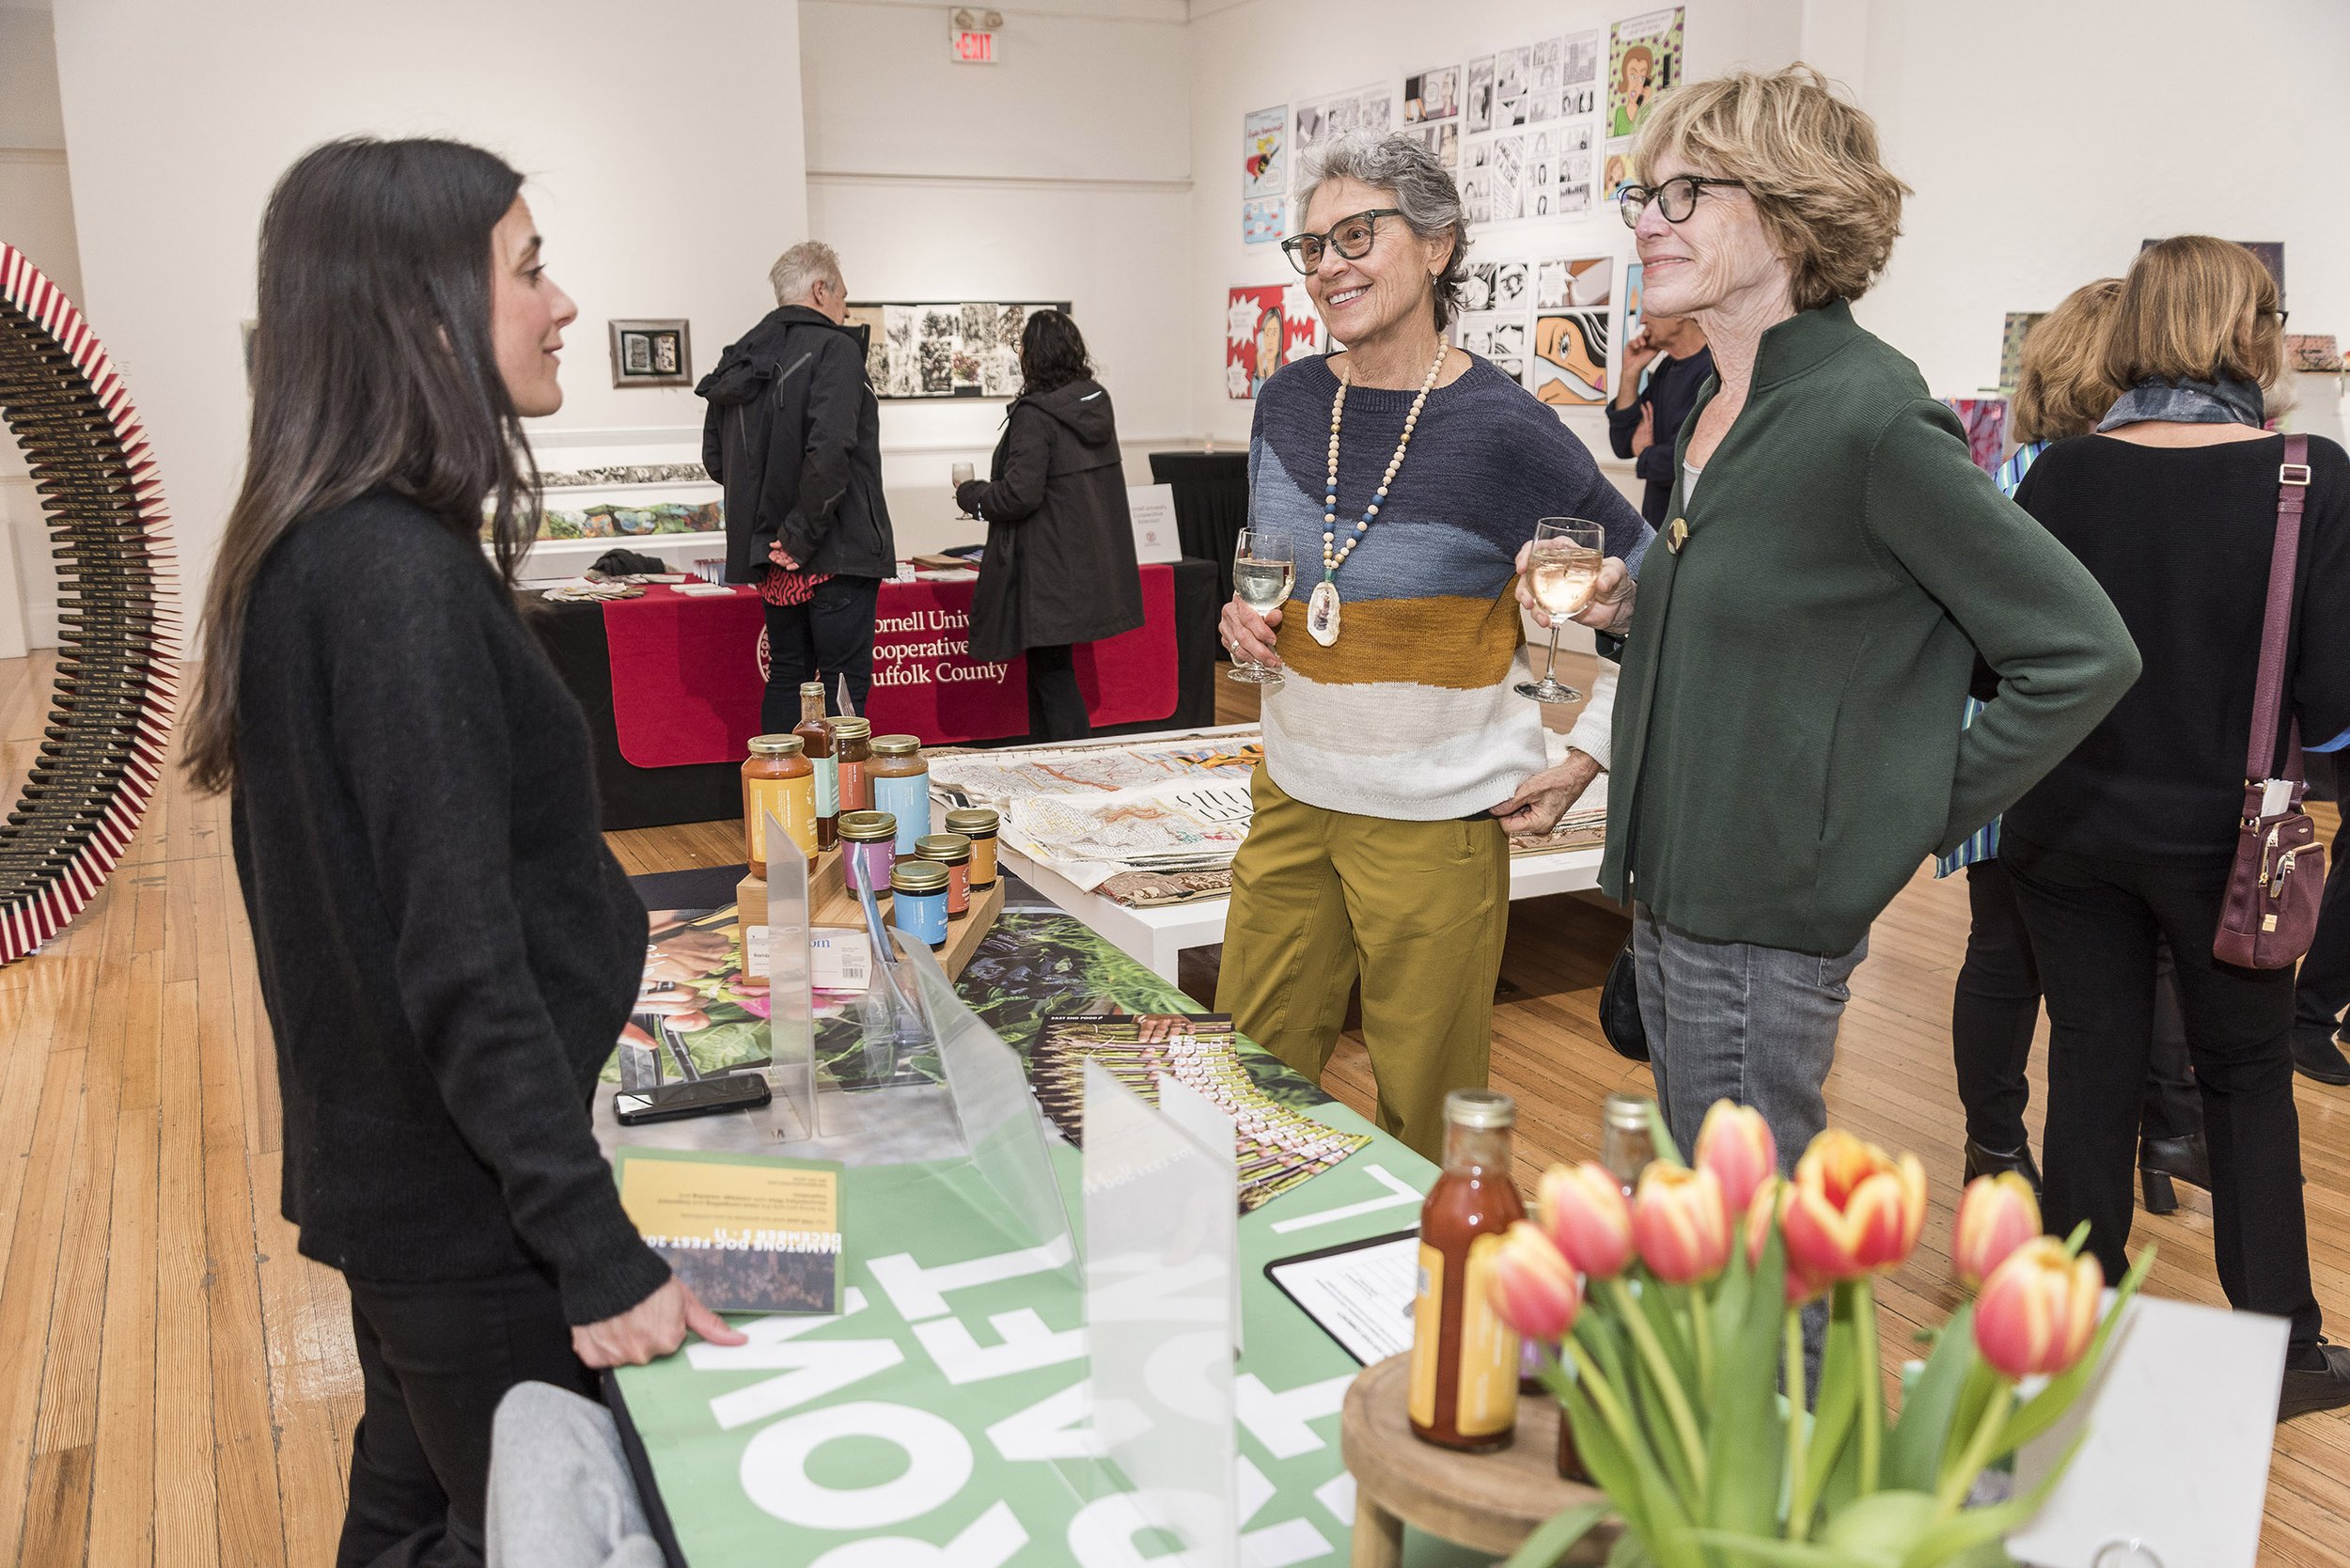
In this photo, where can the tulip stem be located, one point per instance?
(1701, 1330)
(1798, 1505)
(1988, 1430)
(1602, 1394)
(1872, 1383)
(1667, 1381)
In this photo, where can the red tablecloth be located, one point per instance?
(688, 671)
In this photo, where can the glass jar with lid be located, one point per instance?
(979, 824)
(918, 906)
(868, 850)
(852, 754)
(778, 781)
(953, 851)
(901, 787)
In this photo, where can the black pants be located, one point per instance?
(2323, 989)
(2093, 923)
(436, 1358)
(1056, 709)
(1997, 1006)
(828, 638)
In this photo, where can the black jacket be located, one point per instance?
(1060, 566)
(1672, 389)
(795, 434)
(448, 950)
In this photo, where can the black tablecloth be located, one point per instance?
(1210, 505)
(630, 796)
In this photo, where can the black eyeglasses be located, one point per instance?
(1350, 236)
(1676, 197)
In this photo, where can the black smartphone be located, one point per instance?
(731, 1091)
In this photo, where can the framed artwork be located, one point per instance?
(652, 353)
(961, 349)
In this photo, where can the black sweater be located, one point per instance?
(447, 952)
(2180, 537)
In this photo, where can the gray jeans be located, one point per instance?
(1752, 1025)
(560, 1493)
(1734, 1020)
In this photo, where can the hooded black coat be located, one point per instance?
(1060, 566)
(793, 434)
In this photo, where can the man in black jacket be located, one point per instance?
(793, 434)
(1644, 423)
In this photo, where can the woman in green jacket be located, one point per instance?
(1787, 747)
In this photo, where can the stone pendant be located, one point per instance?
(1322, 613)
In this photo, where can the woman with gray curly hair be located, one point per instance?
(1404, 475)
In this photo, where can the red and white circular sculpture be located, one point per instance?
(101, 752)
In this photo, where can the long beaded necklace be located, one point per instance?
(1322, 610)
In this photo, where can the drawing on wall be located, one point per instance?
(1498, 336)
(1475, 204)
(965, 350)
(1432, 94)
(1643, 59)
(1631, 301)
(1319, 121)
(1263, 223)
(1514, 79)
(652, 352)
(1265, 168)
(2313, 351)
(1616, 170)
(1265, 327)
(1481, 95)
(2018, 323)
(1985, 419)
(1575, 283)
(1571, 358)
(1443, 139)
(1579, 58)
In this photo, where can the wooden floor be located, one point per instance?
(178, 1386)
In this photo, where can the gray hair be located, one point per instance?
(805, 264)
(1422, 190)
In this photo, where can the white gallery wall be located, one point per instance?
(1063, 172)
(663, 147)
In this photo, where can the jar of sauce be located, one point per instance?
(979, 824)
(778, 781)
(901, 787)
(816, 745)
(919, 908)
(1464, 1361)
(953, 851)
(852, 754)
(868, 850)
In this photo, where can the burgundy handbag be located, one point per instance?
(2270, 913)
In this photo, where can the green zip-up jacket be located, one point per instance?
(1786, 730)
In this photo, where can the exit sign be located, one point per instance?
(973, 47)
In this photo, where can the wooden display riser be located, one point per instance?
(833, 906)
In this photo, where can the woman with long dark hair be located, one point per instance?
(447, 952)
(1059, 568)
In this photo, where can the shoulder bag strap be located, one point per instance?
(2293, 485)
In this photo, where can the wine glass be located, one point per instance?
(1562, 568)
(1263, 571)
(962, 475)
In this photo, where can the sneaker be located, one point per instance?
(2305, 1393)
(2317, 1054)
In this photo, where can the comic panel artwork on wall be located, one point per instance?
(1266, 326)
(1316, 122)
(1571, 358)
(1643, 60)
(962, 350)
(1265, 167)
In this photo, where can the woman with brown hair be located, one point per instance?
(448, 950)
(2173, 506)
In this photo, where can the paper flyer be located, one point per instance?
(749, 1234)
(1264, 169)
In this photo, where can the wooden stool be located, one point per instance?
(1490, 1501)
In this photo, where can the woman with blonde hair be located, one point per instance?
(1804, 633)
(2173, 507)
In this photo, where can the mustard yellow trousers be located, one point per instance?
(1416, 911)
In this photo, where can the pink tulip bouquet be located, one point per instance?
(1669, 1321)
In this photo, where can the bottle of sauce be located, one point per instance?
(979, 824)
(919, 906)
(868, 850)
(953, 851)
(816, 745)
(901, 787)
(852, 754)
(778, 780)
(1627, 1141)
(1464, 1361)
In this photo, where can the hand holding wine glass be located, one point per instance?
(1562, 570)
(1265, 569)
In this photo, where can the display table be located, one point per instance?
(1155, 937)
(932, 1421)
(1210, 505)
(669, 738)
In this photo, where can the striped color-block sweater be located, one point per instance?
(1410, 716)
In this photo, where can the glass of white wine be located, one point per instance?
(1263, 571)
(1562, 568)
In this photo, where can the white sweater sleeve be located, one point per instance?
(1592, 726)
